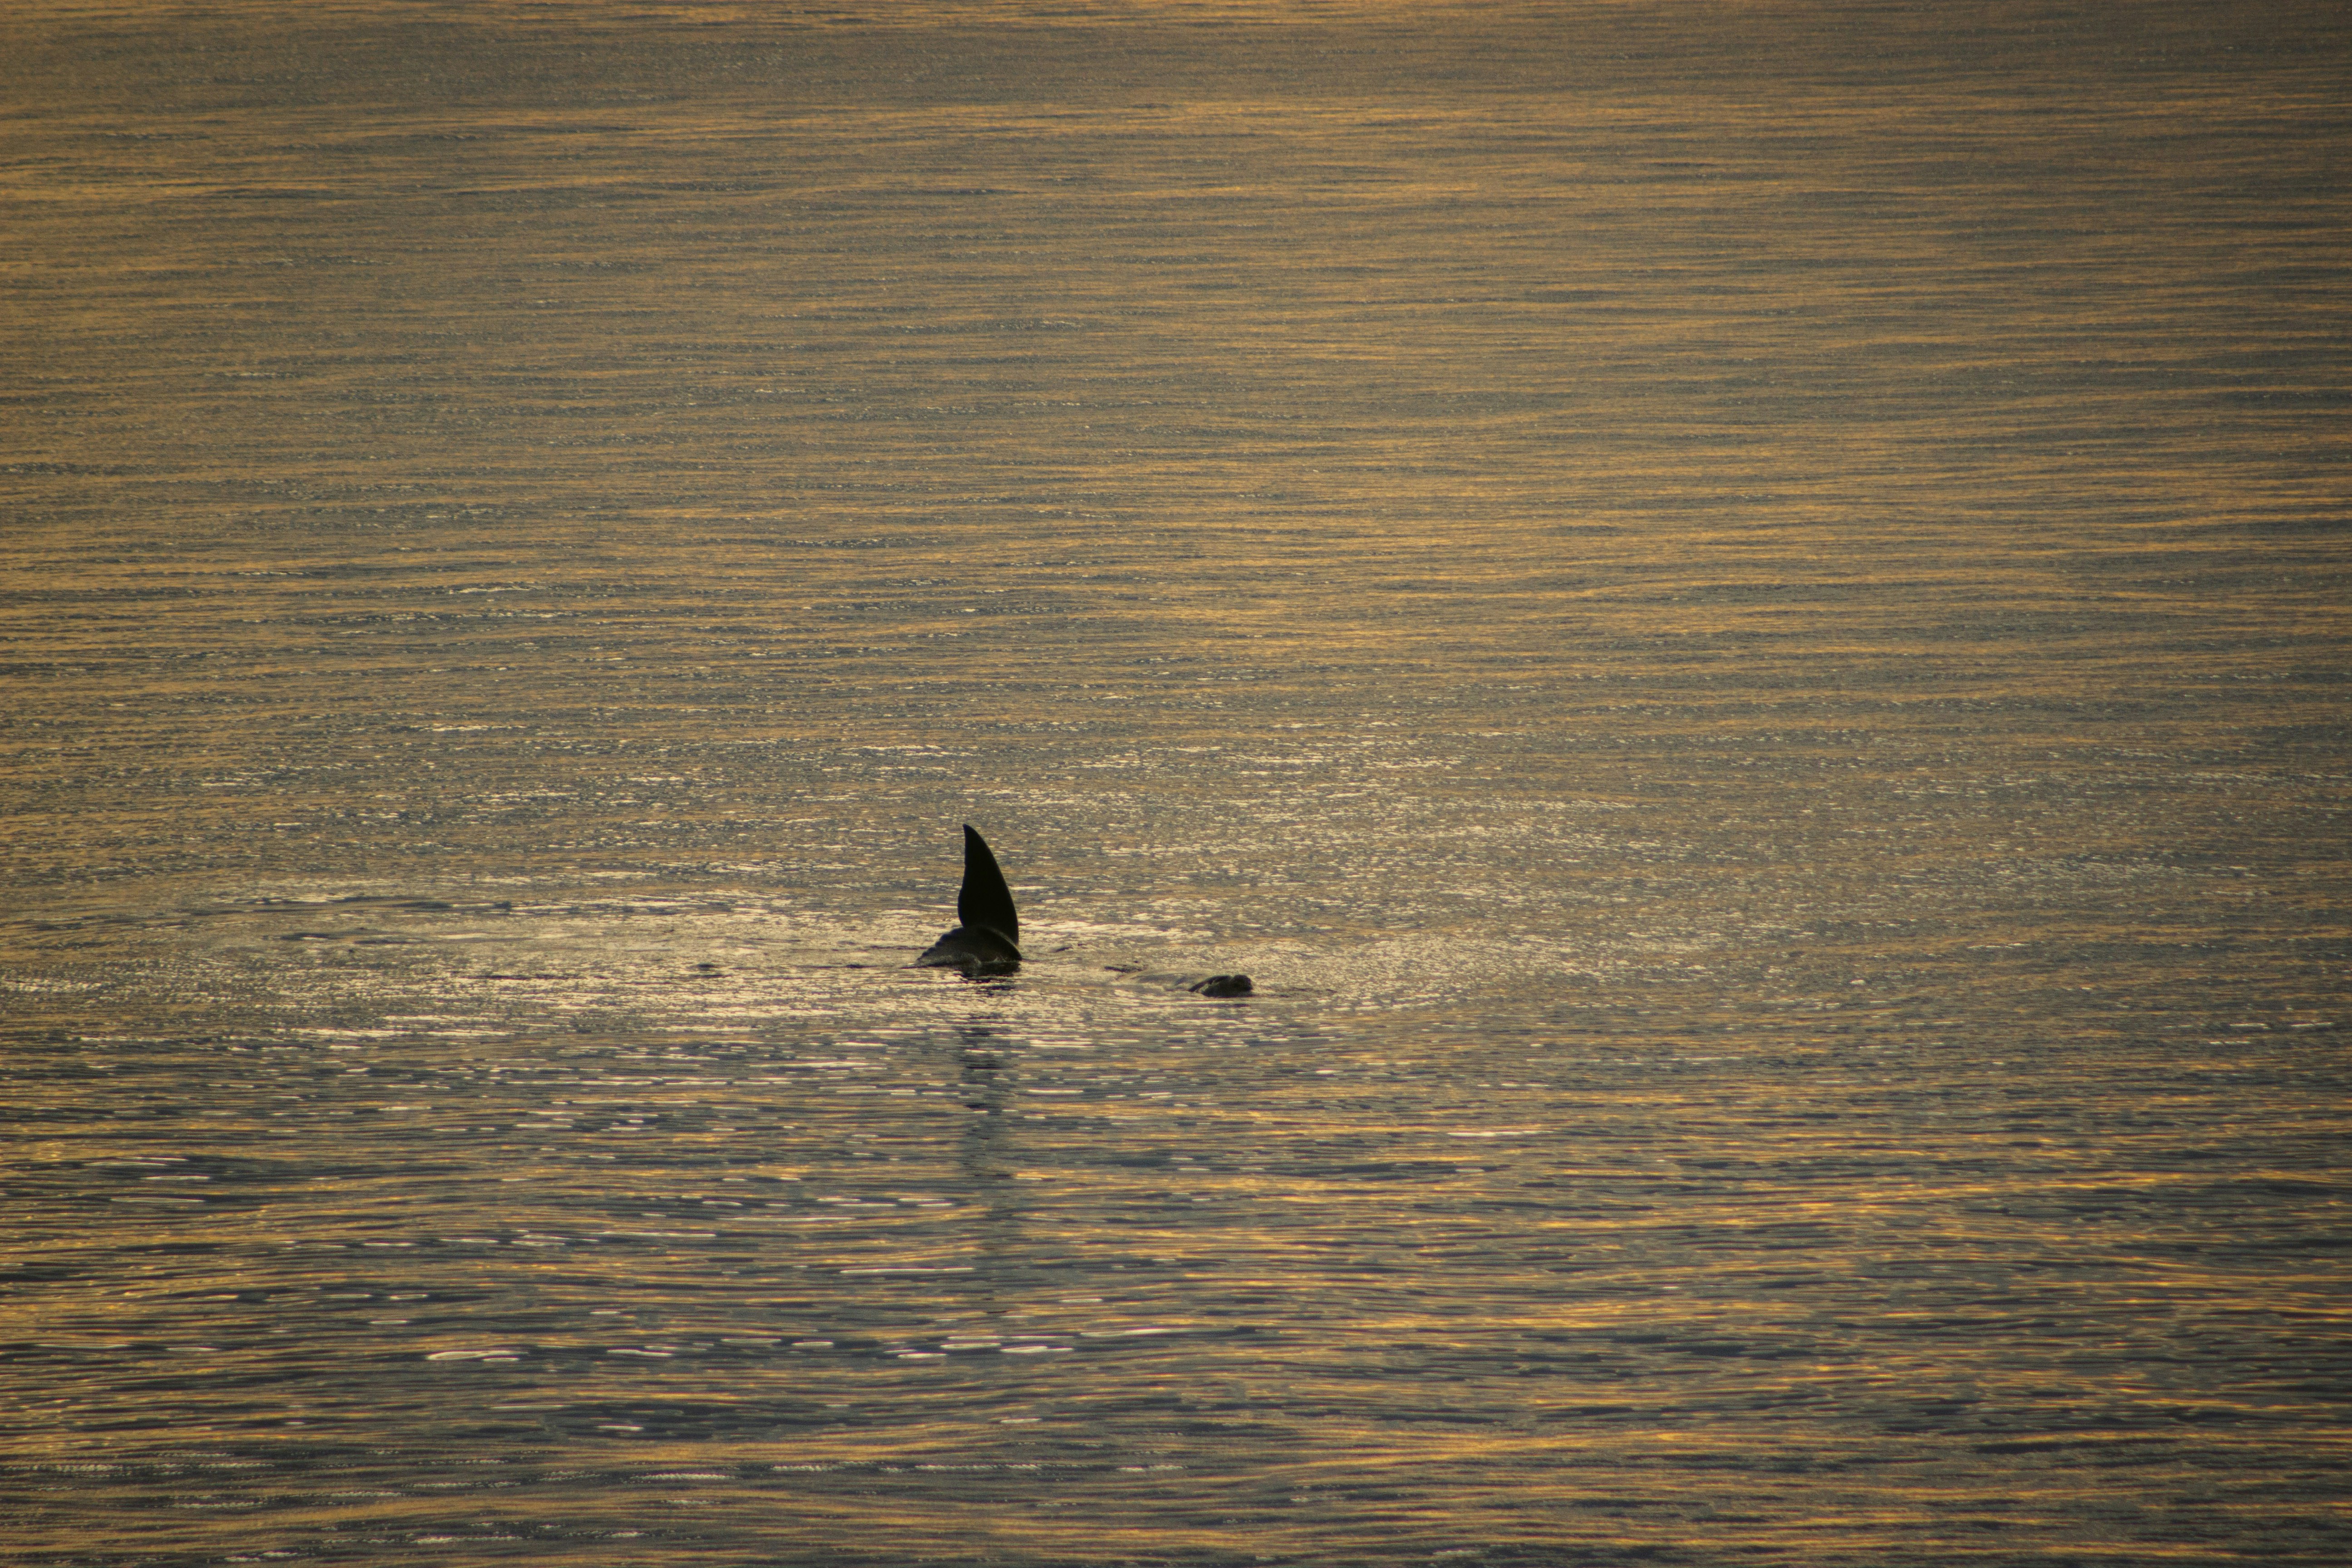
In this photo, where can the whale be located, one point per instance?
(987, 939)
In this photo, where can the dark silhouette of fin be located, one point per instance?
(1222, 985)
(988, 940)
(985, 901)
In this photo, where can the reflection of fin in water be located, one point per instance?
(1002, 1260)
(988, 940)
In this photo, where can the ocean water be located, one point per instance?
(1739, 612)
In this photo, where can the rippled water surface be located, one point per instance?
(1737, 613)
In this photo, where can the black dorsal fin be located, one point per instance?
(985, 901)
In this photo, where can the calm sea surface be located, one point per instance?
(1739, 612)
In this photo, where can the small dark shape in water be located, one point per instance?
(988, 940)
(1222, 985)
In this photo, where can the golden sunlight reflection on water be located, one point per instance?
(1736, 612)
